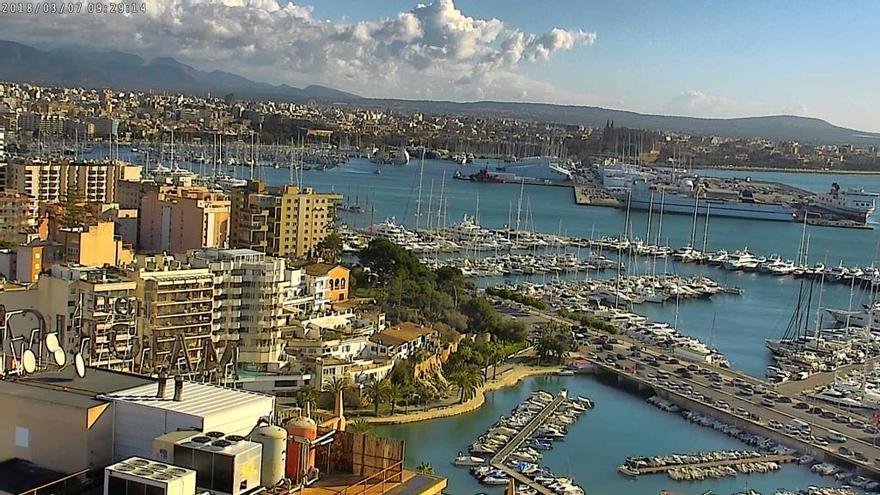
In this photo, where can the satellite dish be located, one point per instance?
(29, 361)
(80, 365)
(52, 342)
(60, 357)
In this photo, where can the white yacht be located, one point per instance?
(854, 203)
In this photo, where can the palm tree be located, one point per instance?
(307, 395)
(359, 426)
(468, 380)
(425, 468)
(336, 385)
(393, 392)
(376, 392)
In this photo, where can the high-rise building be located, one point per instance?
(92, 245)
(179, 219)
(50, 181)
(18, 216)
(250, 289)
(178, 302)
(286, 221)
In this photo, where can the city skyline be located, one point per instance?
(682, 60)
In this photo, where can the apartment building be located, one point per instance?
(180, 219)
(92, 310)
(50, 181)
(333, 279)
(286, 221)
(178, 307)
(92, 245)
(18, 215)
(249, 294)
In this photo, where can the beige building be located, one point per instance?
(92, 245)
(284, 222)
(250, 290)
(18, 214)
(90, 308)
(178, 301)
(50, 181)
(180, 219)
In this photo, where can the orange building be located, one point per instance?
(180, 219)
(337, 279)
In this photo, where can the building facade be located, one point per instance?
(288, 222)
(18, 215)
(180, 219)
(50, 181)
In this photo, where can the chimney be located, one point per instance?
(178, 389)
(160, 391)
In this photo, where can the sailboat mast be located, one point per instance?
(419, 197)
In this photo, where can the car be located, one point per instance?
(698, 396)
(859, 425)
(620, 356)
(745, 391)
(774, 424)
(844, 451)
(614, 340)
(801, 405)
(834, 436)
(768, 402)
(635, 354)
(680, 370)
(840, 420)
(720, 404)
(693, 368)
(716, 385)
(872, 430)
(741, 412)
(827, 415)
(610, 361)
(651, 376)
(821, 442)
(815, 410)
(671, 360)
(739, 382)
(760, 389)
(860, 457)
(687, 374)
(783, 399)
(607, 347)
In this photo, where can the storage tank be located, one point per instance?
(274, 442)
(300, 456)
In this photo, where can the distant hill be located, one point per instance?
(113, 69)
(776, 127)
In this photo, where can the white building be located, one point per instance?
(249, 295)
(2, 157)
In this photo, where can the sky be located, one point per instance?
(702, 58)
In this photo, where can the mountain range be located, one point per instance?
(113, 69)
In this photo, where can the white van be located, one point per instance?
(835, 436)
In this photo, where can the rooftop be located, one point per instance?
(402, 333)
(66, 388)
(316, 269)
(199, 399)
(19, 476)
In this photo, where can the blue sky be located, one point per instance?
(683, 57)
(807, 57)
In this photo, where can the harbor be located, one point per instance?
(702, 465)
(517, 442)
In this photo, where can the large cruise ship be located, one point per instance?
(683, 201)
(854, 204)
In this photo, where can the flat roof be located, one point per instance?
(64, 387)
(199, 399)
(19, 476)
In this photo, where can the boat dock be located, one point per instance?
(778, 458)
(526, 432)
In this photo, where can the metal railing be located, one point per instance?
(381, 478)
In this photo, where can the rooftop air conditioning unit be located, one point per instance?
(137, 476)
(224, 464)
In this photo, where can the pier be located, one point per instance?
(778, 458)
(498, 459)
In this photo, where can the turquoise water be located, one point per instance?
(620, 425)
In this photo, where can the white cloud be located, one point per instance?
(432, 50)
(695, 103)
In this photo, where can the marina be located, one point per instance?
(702, 465)
(517, 442)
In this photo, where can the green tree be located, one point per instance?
(394, 394)
(307, 396)
(336, 385)
(468, 380)
(553, 344)
(359, 426)
(74, 213)
(330, 248)
(376, 393)
(425, 468)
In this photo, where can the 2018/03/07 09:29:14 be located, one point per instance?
(50, 7)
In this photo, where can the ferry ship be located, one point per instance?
(854, 203)
(543, 168)
(683, 201)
